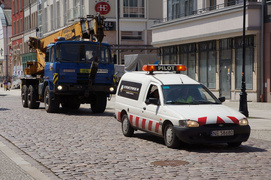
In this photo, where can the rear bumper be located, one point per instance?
(202, 134)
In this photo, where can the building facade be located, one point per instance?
(206, 36)
(17, 38)
(5, 32)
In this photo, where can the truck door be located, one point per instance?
(49, 70)
(151, 110)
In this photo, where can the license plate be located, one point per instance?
(223, 133)
(84, 70)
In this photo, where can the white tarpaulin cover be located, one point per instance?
(135, 62)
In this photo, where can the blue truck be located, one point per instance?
(70, 72)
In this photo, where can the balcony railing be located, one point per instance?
(203, 10)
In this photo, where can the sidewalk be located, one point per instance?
(12, 165)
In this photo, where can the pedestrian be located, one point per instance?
(5, 85)
(9, 85)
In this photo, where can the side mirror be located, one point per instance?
(115, 59)
(222, 99)
(154, 101)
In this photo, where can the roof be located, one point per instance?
(163, 78)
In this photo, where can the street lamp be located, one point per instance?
(243, 95)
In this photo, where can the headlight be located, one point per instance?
(59, 88)
(188, 123)
(243, 122)
(111, 89)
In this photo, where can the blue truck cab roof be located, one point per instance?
(76, 42)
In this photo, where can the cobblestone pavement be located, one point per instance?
(83, 145)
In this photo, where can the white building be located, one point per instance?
(206, 36)
(5, 32)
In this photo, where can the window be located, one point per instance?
(129, 89)
(170, 55)
(180, 8)
(21, 5)
(207, 63)
(249, 57)
(52, 17)
(17, 27)
(81, 52)
(131, 35)
(21, 25)
(57, 15)
(17, 6)
(14, 32)
(13, 6)
(188, 94)
(153, 95)
(45, 24)
(188, 58)
(133, 8)
(76, 9)
(52, 55)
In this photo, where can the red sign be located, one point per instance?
(102, 7)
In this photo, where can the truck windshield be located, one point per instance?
(82, 53)
(188, 94)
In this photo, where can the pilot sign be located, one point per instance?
(102, 7)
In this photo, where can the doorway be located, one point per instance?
(225, 78)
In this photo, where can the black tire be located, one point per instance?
(126, 127)
(99, 103)
(234, 144)
(170, 138)
(51, 106)
(24, 96)
(32, 97)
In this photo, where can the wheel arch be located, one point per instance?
(122, 113)
(166, 122)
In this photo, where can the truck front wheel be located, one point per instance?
(51, 105)
(99, 103)
(32, 97)
(24, 96)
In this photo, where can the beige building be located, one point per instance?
(206, 36)
(128, 28)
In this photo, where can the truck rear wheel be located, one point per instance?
(24, 96)
(32, 98)
(51, 105)
(99, 103)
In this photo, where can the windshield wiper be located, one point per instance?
(176, 102)
(204, 102)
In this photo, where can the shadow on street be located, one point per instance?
(203, 148)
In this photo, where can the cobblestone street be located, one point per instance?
(83, 145)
